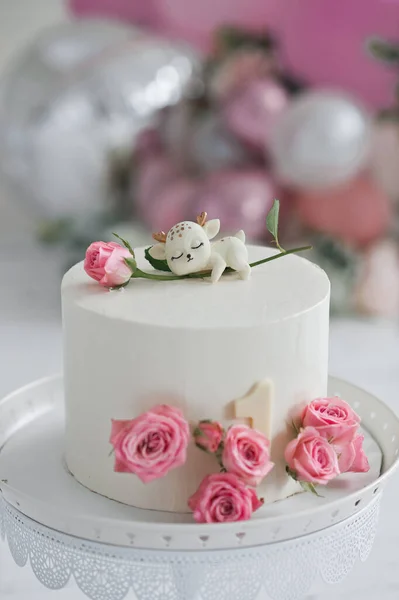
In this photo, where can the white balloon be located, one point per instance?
(77, 97)
(322, 139)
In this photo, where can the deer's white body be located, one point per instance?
(187, 249)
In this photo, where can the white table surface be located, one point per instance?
(30, 347)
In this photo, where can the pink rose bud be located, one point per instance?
(105, 262)
(333, 418)
(208, 435)
(351, 457)
(247, 454)
(311, 458)
(223, 498)
(152, 444)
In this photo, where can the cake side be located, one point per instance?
(194, 346)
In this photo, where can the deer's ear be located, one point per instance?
(158, 251)
(212, 228)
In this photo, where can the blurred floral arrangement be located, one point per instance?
(131, 127)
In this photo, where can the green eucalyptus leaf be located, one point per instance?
(159, 265)
(125, 243)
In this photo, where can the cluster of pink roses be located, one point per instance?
(327, 444)
(244, 458)
(156, 442)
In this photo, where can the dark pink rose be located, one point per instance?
(311, 458)
(151, 445)
(223, 498)
(247, 454)
(105, 262)
(208, 435)
(333, 418)
(351, 457)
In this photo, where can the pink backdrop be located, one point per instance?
(322, 40)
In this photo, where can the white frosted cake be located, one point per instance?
(238, 351)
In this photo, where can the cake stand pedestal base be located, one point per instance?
(282, 571)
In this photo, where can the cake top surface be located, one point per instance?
(276, 291)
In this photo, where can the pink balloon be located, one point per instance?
(321, 41)
(357, 213)
(377, 290)
(385, 157)
(252, 112)
(172, 203)
(240, 199)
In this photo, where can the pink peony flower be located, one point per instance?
(247, 454)
(208, 435)
(105, 262)
(311, 458)
(152, 444)
(333, 418)
(223, 498)
(351, 457)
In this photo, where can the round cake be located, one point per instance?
(234, 352)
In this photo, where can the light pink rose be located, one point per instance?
(152, 444)
(312, 458)
(333, 418)
(351, 457)
(247, 454)
(105, 262)
(208, 435)
(223, 498)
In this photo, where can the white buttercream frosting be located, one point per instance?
(194, 345)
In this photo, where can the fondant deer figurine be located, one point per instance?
(187, 249)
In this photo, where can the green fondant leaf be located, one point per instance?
(291, 473)
(295, 427)
(159, 265)
(125, 243)
(131, 263)
(272, 222)
(310, 487)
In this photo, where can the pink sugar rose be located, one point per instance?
(333, 418)
(105, 262)
(311, 458)
(247, 454)
(223, 498)
(351, 457)
(152, 444)
(208, 435)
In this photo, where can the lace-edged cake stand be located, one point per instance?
(110, 549)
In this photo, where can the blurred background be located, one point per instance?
(132, 115)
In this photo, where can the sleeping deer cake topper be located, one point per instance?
(187, 249)
(185, 252)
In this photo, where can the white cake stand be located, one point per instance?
(110, 549)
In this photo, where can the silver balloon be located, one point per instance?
(322, 139)
(72, 104)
